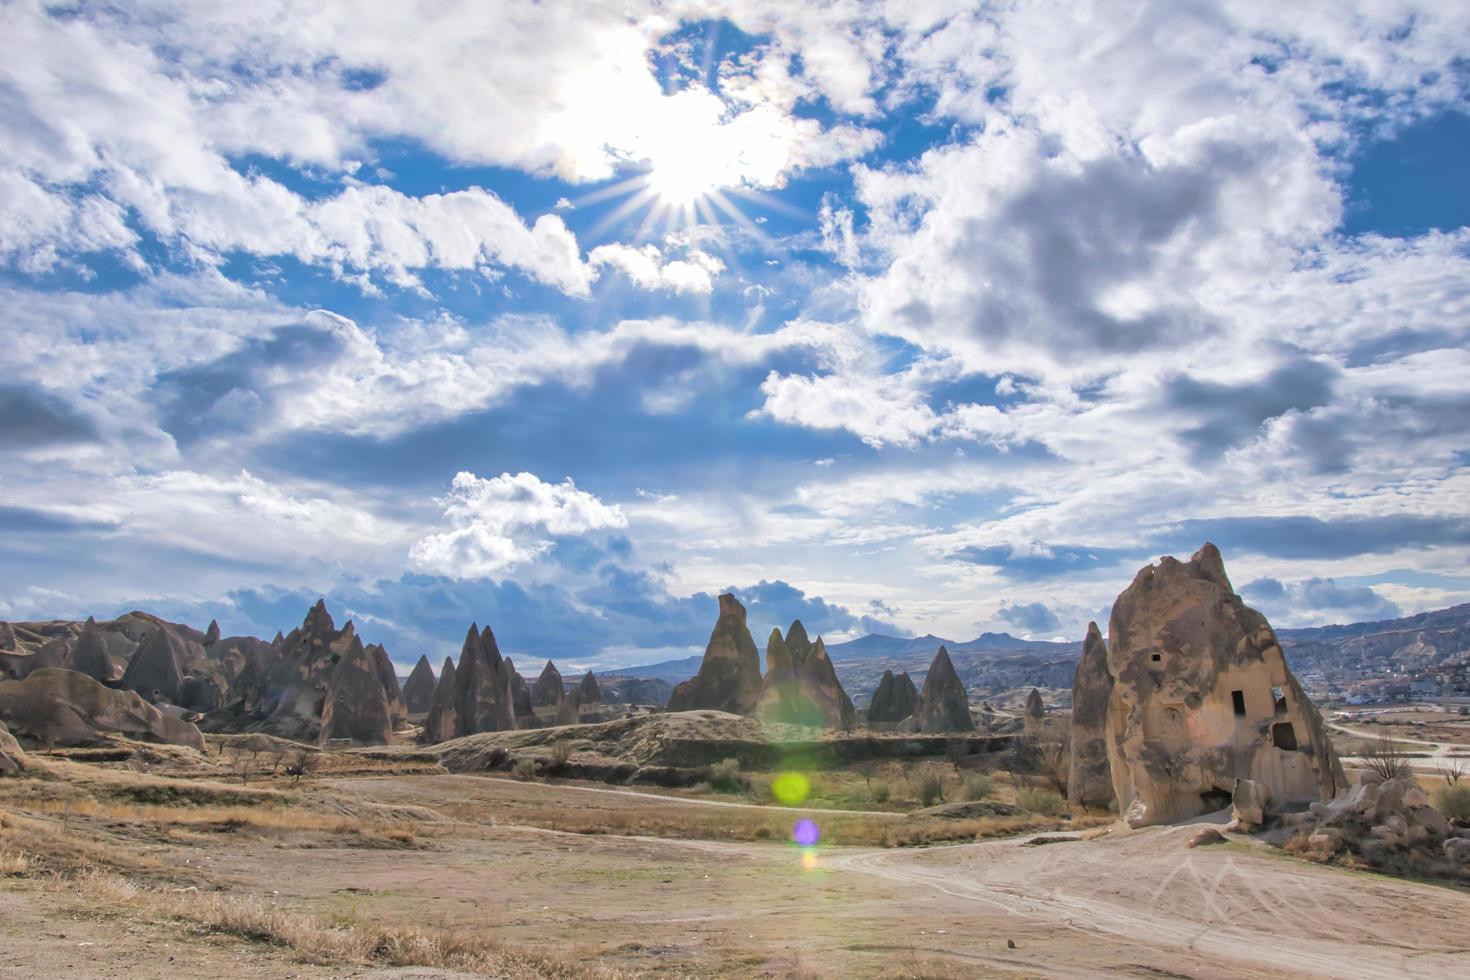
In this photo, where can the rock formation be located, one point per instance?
(12, 756)
(1202, 696)
(154, 671)
(548, 689)
(520, 697)
(1035, 714)
(1091, 780)
(801, 686)
(943, 705)
(388, 678)
(893, 700)
(588, 692)
(484, 700)
(729, 677)
(295, 689)
(1386, 823)
(65, 707)
(356, 706)
(418, 690)
(211, 635)
(569, 712)
(443, 720)
(89, 654)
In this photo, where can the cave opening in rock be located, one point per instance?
(1238, 699)
(1214, 799)
(1283, 736)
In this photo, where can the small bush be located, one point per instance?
(525, 769)
(978, 787)
(1041, 801)
(931, 789)
(558, 757)
(724, 777)
(880, 793)
(1453, 801)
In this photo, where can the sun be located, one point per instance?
(683, 174)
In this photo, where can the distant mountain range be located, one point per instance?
(996, 662)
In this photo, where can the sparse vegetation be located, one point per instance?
(1042, 801)
(1384, 757)
(1451, 770)
(558, 757)
(1453, 800)
(880, 793)
(525, 769)
(301, 763)
(1054, 763)
(724, 777)
(931, 789)
(978, 786)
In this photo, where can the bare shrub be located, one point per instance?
(301, 763)
(880, 793)
(955, 750)
(978, 787)
(558, 757)
(525, 769)
(724, 777)
(1054, 763)
(1453, 800)
(1384, 757)
(1450, 770)
(931, 788)
(1041, 801)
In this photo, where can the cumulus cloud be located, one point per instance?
(1031, 617)
(1317, 601)
(648, 268)
(501, 522)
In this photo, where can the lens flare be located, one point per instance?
(806, 833)
(809, 860)
(791, 788)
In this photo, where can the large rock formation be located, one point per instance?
(291, 705)
(388, 678)
(520, 697)
(588, 692)
(89, 654)
(237, 686)
(943, 705)
(548, 689)
(893, 700)
(484, 699)
(569, 712)
(65, 707)
(356, 706)
(443, 720)
(154, 671)
(418, 690)
(1035, 714)
(801, 686)
(12, 756)
(1201, 697)
(1091, 780)
(729, 677)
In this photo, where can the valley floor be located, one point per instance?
(486, 857)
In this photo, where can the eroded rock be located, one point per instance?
(418, 690)
(1091, 780)
(893, 700)
(548, 690)
(943, 705)
(443, 720)
(356, 706)
(729, 677)
(65, 707)
(801, 685)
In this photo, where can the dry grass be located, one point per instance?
(339, 940)
(13, 863)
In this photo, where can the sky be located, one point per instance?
(910, 316)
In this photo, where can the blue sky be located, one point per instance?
(938, 318)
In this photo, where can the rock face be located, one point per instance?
(388, 677)
(483, 697)
(418, 690)
(356, 706)
(154, 671)
(729, 677)
(520, 697)
(296, 688)
(588, 692)
(12, 756)
(443, 720)
(89, 655)
(569, 712)
(894, 699)
(1091, 779)
(548, 689)
(65, 707)
(943, 705)
(801, 686)
(1202, 696)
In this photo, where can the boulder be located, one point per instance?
(1457, 850)
(65, 707)
(943, 705)
(729, 677)
(801, 685)
(588, 692)
(1205, 836)
(1202, 696)
(443, 720)
(1248, 802)
(893, 700)
(548, 690)
(154, 671)
(89, 654)
(356, 706)
(418, 690)
(1091, 780)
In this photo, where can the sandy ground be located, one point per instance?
(1128, 903)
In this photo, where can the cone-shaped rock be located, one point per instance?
(443, 721)
(569, 712)
(89, 654)
(729, 677)
(548, 689)
(55, 654)
(894, 699)
(943, 705)
(294, 691)
(388, 677)
(1091, 781)
(418, 690)
(65, 707)
(154, 671)
(356, 705)
(801, 688)
(211, 635)
(483, 696)
(520, 696)
(1202, 696)
(588, 692)
(1035, 707)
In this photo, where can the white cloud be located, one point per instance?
(504, 521)
(648, 268)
